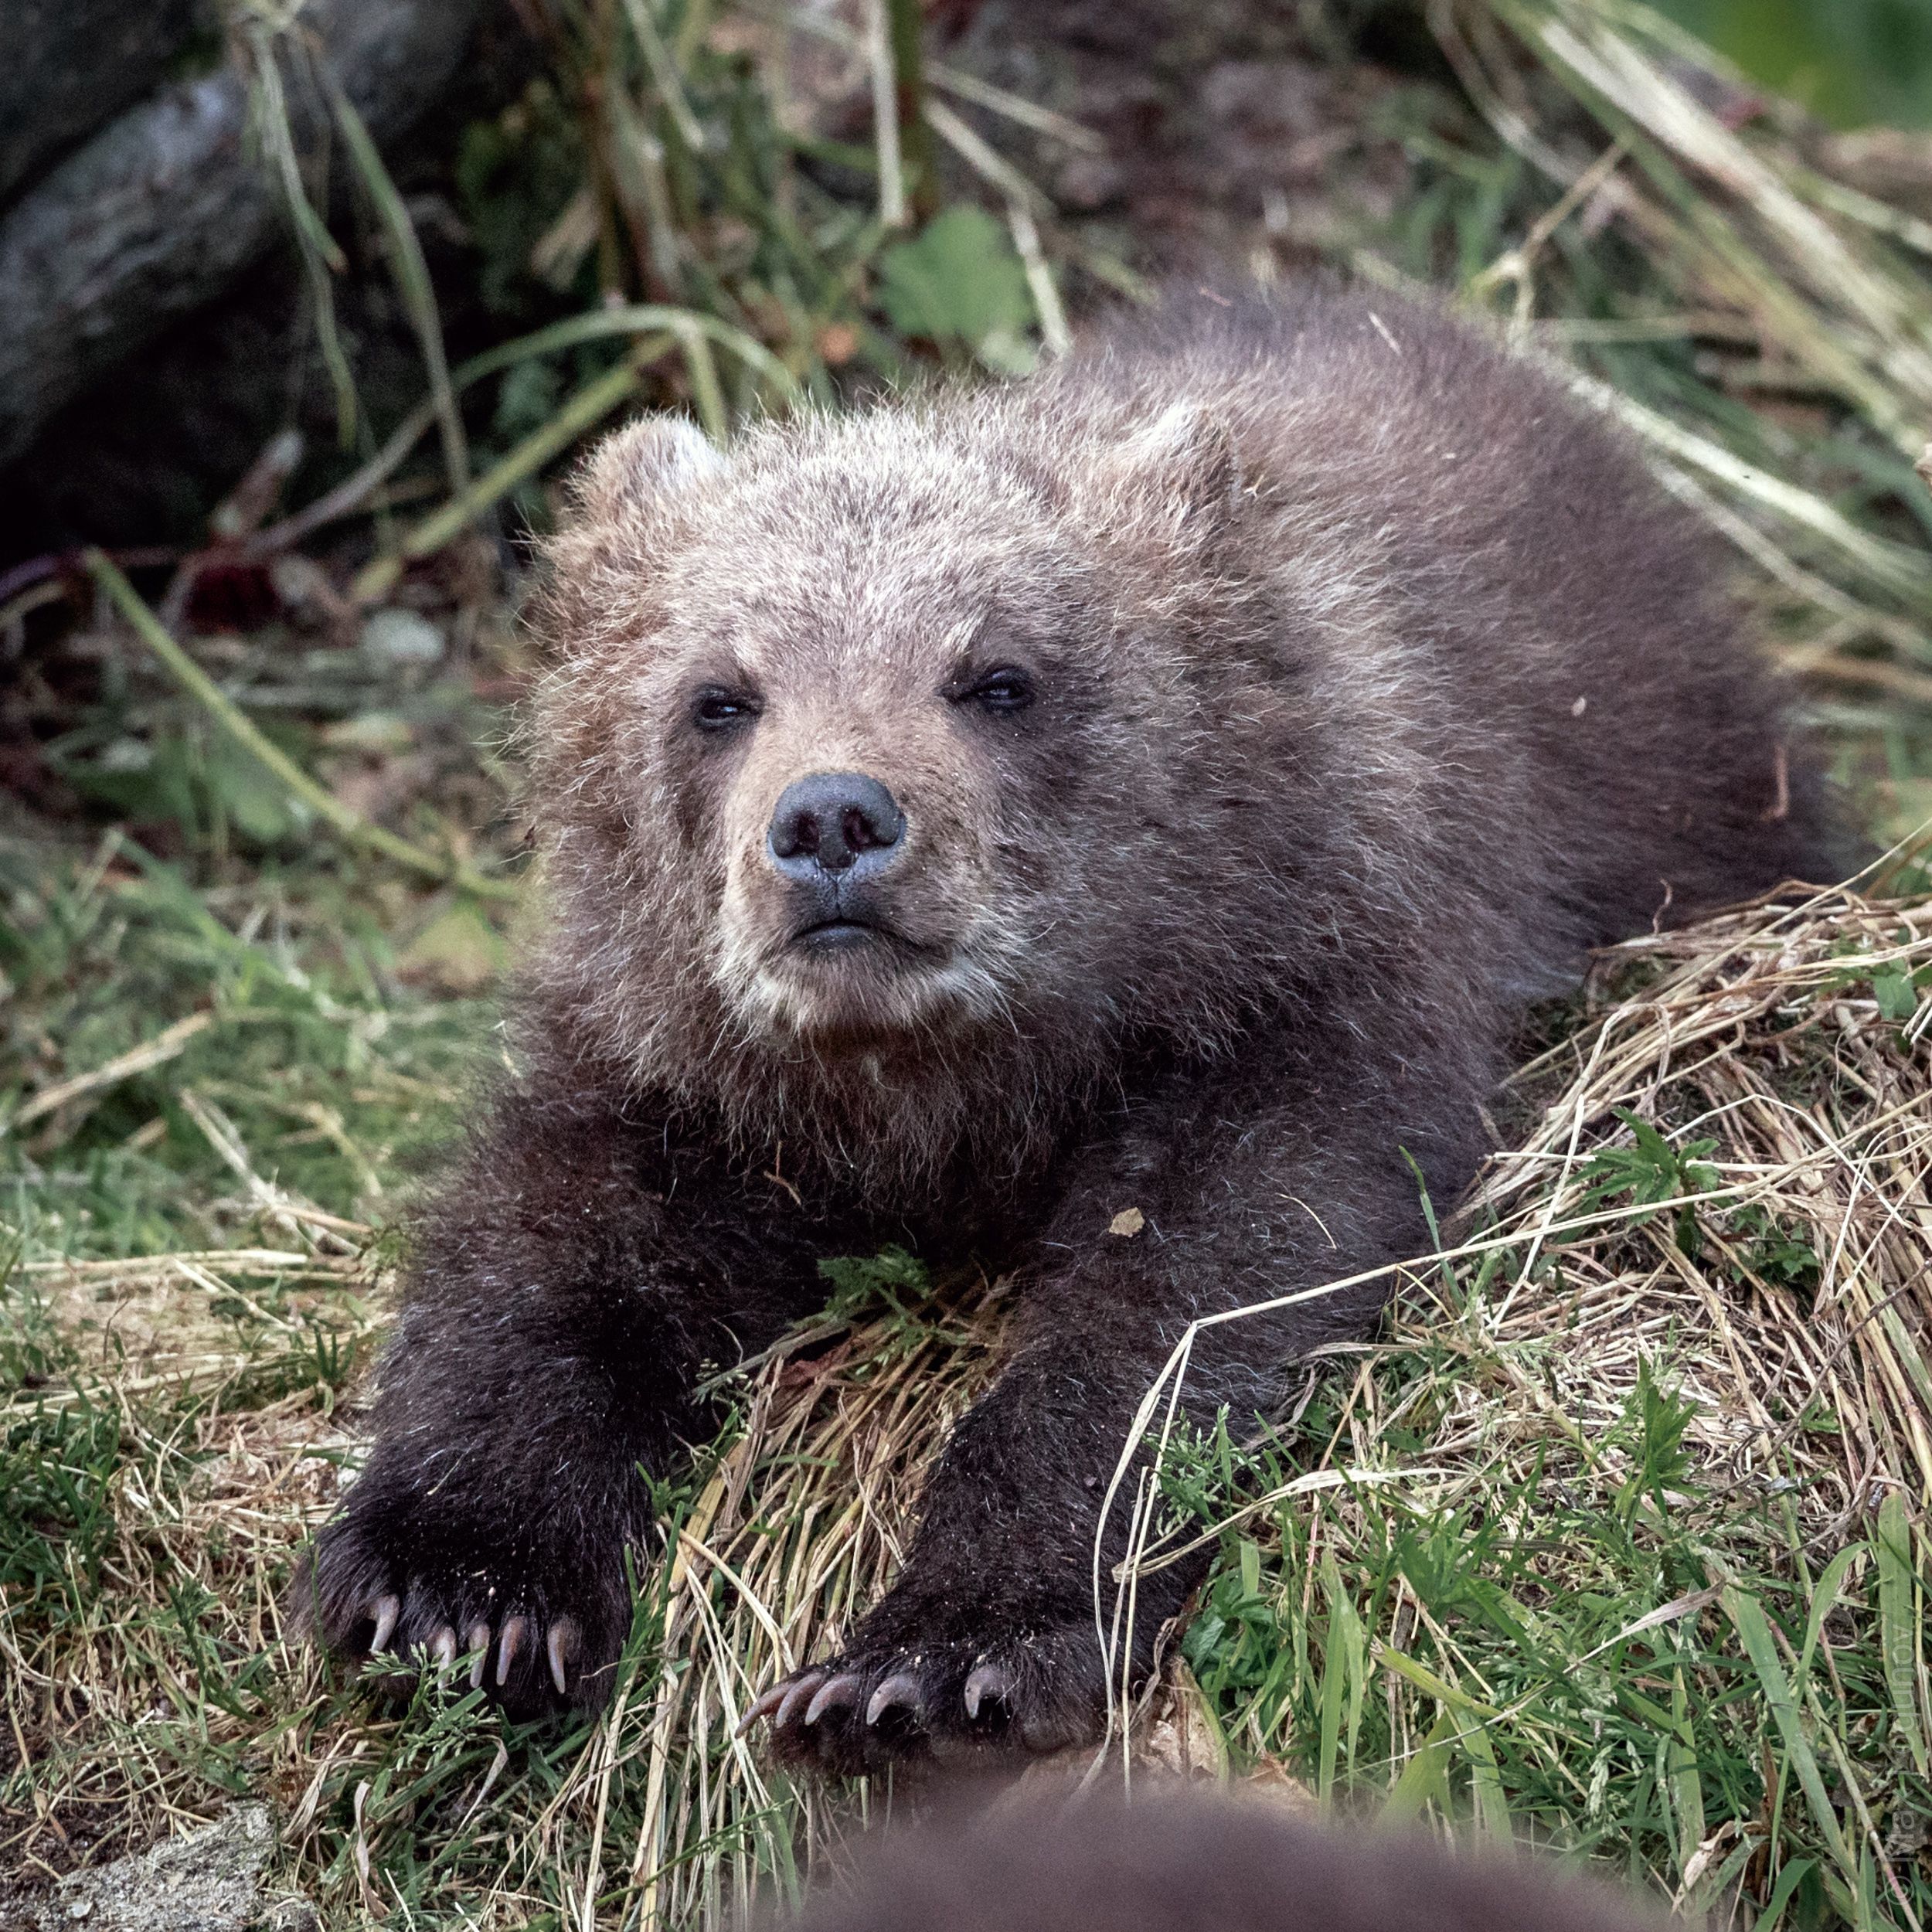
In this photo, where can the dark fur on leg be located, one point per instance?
(565, 1292)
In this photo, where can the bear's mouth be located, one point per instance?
(845, 932)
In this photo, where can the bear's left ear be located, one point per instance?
(655, 457)
(1181, 470)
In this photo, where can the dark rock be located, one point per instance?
(71, 66)
(167, 206)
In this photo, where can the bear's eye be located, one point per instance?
(716, 709)
(1004, 690)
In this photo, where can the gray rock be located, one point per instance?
(73, 65)
(209, 1881)
(165, 206)
(392, 639)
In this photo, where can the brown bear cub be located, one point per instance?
(1158, 785)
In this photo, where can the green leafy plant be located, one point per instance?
(1651, 1171)
(961, 285)
(1854, 61)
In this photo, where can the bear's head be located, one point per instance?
(898, 767)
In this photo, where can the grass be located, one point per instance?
(1615, 1540)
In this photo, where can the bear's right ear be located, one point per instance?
(654, 457)
(1178, 474)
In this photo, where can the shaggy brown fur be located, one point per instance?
(1183, 1862)
(1270, 700)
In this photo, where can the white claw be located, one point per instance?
(478, 1641)
(767, 1702)
(507, 1645)
(442, 1648)
(987, 1680)
(388, 1610)
(898, 1689)
(563, 1647)
(799, 1692)
(831, 1694)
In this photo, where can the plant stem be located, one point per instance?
(590, 404)
(205, 693)
(905, 25)
(411, 275)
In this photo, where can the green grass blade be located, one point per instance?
(412, 277)
(1747, 1616)
(1485, 1777)
(1789, 1879)
(1899, 1625)
(707, 393)
(1824, 1601)
(1468, 1720)
(317, 248)
(325, 804)
(1426, 1775)
(664, 72)
(1440, 1688)
(1334, 1681)
(633, 318)
(1685, 1787)
(588, 407)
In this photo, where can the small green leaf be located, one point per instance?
(1652, 1171)
(459, 951)
(260, 808)
(1898, 999)
(893, 1276)
(1250, 1567)
(960, 281)
(1006, 352)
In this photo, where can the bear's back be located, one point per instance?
(1508, 585)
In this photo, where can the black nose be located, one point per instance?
(828, 821)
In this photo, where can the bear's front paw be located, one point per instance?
(541, 1621)
(1042, 1686)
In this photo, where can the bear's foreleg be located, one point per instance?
(991, 1638)
(564, 1292)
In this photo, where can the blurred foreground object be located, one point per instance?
(1177, 1861)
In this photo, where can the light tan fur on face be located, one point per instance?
(843, 572)
(881, 711)
(852, 645)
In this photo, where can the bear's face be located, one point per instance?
(859, 714)
(871, 795)
(876, 749)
